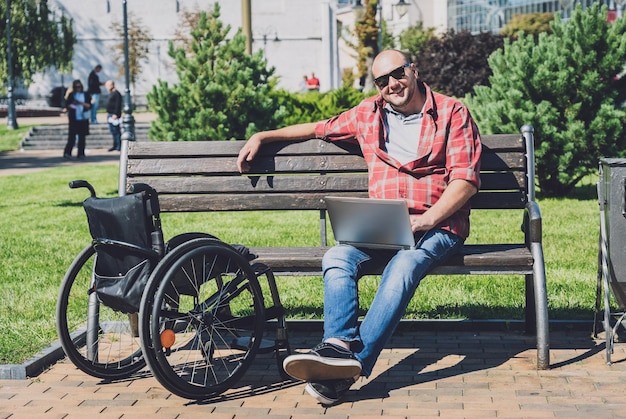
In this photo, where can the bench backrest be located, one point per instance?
(202, 175)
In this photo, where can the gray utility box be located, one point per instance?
(612, 197)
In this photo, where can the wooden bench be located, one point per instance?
(203, 176)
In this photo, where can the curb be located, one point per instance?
(35, 365)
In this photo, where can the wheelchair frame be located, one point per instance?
(201, 319)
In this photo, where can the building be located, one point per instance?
(299, 37)
(491, 15)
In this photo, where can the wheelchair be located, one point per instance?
(191, 309)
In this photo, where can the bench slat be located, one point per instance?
(485, 258)
(300, 201)
(205, 165)
(257, 184)
(497, 142)
(225, 165)
(300, 184)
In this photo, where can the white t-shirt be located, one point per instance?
(403, 134)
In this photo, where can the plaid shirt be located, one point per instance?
(449, 148)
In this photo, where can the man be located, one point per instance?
(313, 83)
(114, 114)
(93, 88)
(419, 146)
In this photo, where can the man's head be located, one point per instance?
(97, 68)
(396, 79)
(110, 85)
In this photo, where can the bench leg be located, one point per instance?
(541, 307)
(530, 311)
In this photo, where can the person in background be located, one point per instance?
(313, 83)
(419, 146)
(114, 114)
(78, 104)
(93, 88)
(304, 86)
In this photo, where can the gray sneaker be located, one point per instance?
(330, 391)
(324, 362)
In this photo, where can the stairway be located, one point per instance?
(54, 137)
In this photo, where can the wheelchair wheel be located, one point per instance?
(202, 319)
(100, 341)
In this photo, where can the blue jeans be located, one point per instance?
(95, 98)
(344, 265)
(116, 132)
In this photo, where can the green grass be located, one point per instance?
(10, 139)
(43, 227)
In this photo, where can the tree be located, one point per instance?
(139, 38)
(188, 20)
(39, 39)
(222, 93)
(413, 39)
(530, 23)
(566, 85)
(366, 31)
(456, 62)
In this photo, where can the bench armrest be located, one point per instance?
(532, 223)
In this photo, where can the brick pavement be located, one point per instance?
(420, 374)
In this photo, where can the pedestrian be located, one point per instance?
(313, 83)
(304, 85)
(93, 88)
(420, 146)
(78, 104)
(114, 114)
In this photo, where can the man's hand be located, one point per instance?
(422, 222)
(247, 153)
(453, 198)
(251, 148)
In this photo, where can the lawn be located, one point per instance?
(43, 227)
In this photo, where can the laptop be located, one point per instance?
(370, 223)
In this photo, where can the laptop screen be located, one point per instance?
(370, 223)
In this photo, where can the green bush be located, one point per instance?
(298, 108)
(530, 23)
(415, 38)
(456, 62)
(566, 86)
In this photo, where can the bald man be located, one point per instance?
(420, 146)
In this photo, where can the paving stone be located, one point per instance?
(452, 375)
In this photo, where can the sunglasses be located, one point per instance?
(397, 74)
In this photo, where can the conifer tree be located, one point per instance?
(568, 86)
(222, 93)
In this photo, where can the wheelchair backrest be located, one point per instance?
(125, 219)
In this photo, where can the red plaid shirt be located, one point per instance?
(449, 148)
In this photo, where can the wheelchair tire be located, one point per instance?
(202, 318)
(99, 341)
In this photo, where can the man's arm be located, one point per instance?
(452, 199)
(251, 147)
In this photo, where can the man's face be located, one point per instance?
(395, 79)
